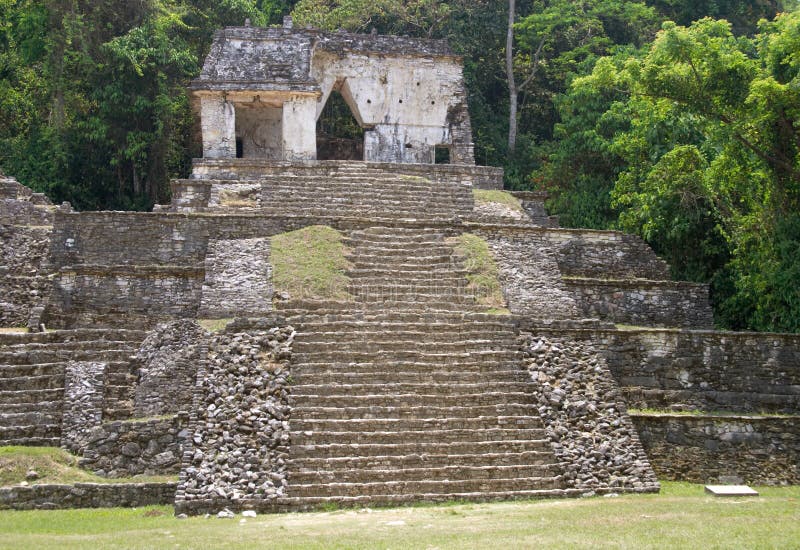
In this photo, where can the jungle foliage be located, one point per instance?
(674, 119)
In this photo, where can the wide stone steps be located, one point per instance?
(314, 503)
(401, 411)
(466, 446)
(441, 487)
(11, 397)
(30, 432)
(468, 372)
(443, 333)
(442, 346)
(416, 427)
(37, 406)
(432, 358)
(449, 434)
(31, 441)
(457, 403)
(302, 375)
(42, 356)
(426, 473)
(447, 456)
(8, 372)
(31, 418)
(27, 383)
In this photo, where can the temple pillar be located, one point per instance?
(218, 120)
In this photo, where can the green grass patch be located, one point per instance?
(214, 325)
(482, 272)
(54, 465)
(310, 263)
(682, 516)
(485, 196)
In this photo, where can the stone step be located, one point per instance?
(367, 448)
(31, 441)
(456, 403)
(410, 411)
(33, 418)
(479, 370)
(307, 376)
(433, 459)
(429, 333)
(426, 473)
(31, 431)
(391, 346)
(77, 335)
(402, 429)
(442, 487)
(431, 358)
(38, 406)
(41, 369)
(424, 317)
(31, 357)
(12, 397)
(433, 243)
(27, 383)
(419, 436)
(402, 261)
(383, 198)
(315, 503)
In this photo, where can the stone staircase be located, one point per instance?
(32, 368)
(410, 393)
(356, 191)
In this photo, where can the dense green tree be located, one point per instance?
(697, 140)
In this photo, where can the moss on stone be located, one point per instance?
(214, 325)
(310, 263)
(482, 272)
(53, 465)
(485, 196)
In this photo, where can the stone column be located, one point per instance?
(300, 128)
(218, 121)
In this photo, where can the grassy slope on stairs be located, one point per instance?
(54, 466)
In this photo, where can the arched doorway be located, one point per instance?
(339, 135)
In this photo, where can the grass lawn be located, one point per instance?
(682, 516)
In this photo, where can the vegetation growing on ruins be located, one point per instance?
(484, 196)
(678, 518)
(53, 465)
(685, 133)
(310, 263)
(482, 272)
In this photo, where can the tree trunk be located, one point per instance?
(513, 93)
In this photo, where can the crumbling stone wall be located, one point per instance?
(700, 449)
(83, 403)
(86, 495)
(530, 276)
(606, 255)
(644, 303)
(585, 417)
(238, 278)
(700, 370)
(240, 424)
(150, 446)
(167, 366)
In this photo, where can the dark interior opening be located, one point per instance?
(442, 154)
(339, 136)
(239, 148)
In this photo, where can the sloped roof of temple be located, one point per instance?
(279, 58)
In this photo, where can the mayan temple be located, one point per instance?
(315, 320)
